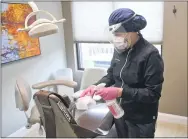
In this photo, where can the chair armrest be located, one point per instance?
(42, 85)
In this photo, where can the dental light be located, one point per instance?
(41, 27)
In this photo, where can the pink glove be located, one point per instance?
(90, 91)
(108, 93)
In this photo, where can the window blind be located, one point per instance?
(90, 19)
(153, 12)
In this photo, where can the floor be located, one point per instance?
(171, 130)
(163, 130)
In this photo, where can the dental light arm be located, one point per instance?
(33, 6)
(42, 85)
(39, 21)
(41, 27)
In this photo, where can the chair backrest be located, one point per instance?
(57, 120)
(92, 75)
(54, 114)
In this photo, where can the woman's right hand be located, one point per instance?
(90, 91)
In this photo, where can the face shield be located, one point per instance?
(118, 35)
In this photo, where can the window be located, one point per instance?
(91, 55)
(90, 20)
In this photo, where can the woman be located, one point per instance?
(136, 73)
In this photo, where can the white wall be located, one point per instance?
(33, 69)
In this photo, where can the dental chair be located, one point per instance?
(59, 115)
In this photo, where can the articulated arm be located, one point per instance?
(42, 85)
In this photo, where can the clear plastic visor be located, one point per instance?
(117, 31)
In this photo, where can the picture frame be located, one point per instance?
(17, 45)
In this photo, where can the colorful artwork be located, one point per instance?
(16, 45)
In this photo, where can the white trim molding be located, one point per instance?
(170, 118)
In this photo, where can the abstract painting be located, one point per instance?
(16, 45)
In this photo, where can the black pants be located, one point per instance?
(126, 129)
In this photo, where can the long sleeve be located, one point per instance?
(108, 79)
(153, 80)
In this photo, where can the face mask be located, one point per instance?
(121, 44)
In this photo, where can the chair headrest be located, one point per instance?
(23, 94)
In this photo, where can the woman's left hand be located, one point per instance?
(109, 93)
